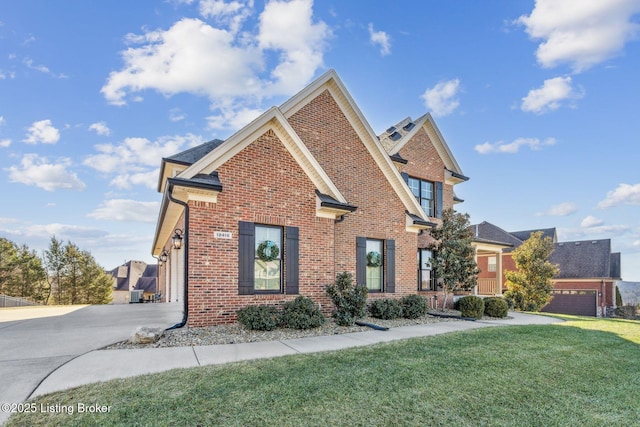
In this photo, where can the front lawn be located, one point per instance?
(584, 372)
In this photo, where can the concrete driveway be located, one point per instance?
(35, 341)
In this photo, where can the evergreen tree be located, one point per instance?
(530, 287)
(454, 257)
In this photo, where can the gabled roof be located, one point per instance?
(487, 232)
(546, 232)
(583, 259)
(193, 154)
(276, 120)
(396, 137)
(331, 82)
(185, 158)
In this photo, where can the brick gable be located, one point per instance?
(381, 214)
(262, 184)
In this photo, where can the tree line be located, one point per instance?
(65, 274)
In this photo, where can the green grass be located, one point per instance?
(584, 372)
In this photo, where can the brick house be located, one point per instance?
(305, 191)
(585, 284)
(134, 276)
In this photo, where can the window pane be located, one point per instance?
(414, 185)
(374, 265)
(492, 263)
(266, 234)
(267, 275)
(374, 278)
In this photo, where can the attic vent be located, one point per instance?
(395, 136)
(594, 241)
(391, 129)
(577, 243)
(560, 244)
(409, 126)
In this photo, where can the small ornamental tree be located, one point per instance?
(530, 286)
(454, 262)
(350, 300)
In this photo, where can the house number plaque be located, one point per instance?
(222, 235)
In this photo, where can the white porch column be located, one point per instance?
(475, 258)
(174, 277)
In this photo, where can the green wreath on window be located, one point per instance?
(268, 251)
(374, 259)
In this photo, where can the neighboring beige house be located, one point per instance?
(134, 276)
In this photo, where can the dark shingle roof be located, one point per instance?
(192, 155)
(546, 232)
(583, 259)
(485, 231)
(147, 284)
(208, 182)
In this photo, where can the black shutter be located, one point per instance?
(246, 257)
(291, 260)
(405, 176)
(361, 260)
(390, 257)
(438, 200)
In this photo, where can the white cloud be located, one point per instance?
(514, 146)
(591, 221)
(231, 14)
(100, 128)
(562, 209)
(225, 64)
(625, 194)
(135, 161)
(601, 231)
(191, 57)
(176, 115)
(232, 119)
(61, 231)
(549, 97)
(4, 143)
(381, 39)
(126, 210)
(441, 99)
(580, 33)
(36, 170)
(29, 63)
(42, 131)
(288, 28)
(2, 121)
(128, 180)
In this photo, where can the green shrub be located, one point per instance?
(259, 317)
(414, 306)
(302, 313)
(495, 307)
(471, 306)
(386, 309)
(350, 301)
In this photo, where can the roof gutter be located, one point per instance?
(185, 237)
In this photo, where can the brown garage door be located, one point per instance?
(580, 303)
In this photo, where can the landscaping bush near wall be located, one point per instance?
(414, 306)
(495, 307)
(471, 306)
(386, 309)
(302, 313)
(350, 300)
(259, 317)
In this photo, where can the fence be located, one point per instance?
(7, 301)
(487, 287)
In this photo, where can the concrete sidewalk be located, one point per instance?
(103, 365)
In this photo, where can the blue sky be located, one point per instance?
(537, 100)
